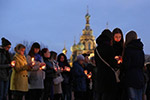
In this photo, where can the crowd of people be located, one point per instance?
(116, 72)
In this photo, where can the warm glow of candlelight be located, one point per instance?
(43, 67)
(13, 63)
(89, 76)
(32, 60)
(85, 72)
(67, 69)
(116, 57)
(119, 61)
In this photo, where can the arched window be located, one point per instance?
(89, 46)
(84, 45)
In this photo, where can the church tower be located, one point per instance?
(87, 42)
(87, 38)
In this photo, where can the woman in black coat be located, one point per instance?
(118, 41)
(5, 68)
(49, 76)
(107, 85)
(66, 84)
(133, 64)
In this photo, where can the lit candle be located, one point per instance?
(119, 61)
(13, 63)
(67, 69)
(85, 72)
(89, 75)
(43, 67)
(116, 57)
(32, 60)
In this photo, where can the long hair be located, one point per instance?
(34, 45)
(44, 50)
(118, 30)
(120, 43)
(65, 62)
(131, 35)
(53, 55)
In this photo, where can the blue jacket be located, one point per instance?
(79, 78)
(133, 63)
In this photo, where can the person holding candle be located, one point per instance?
(66, 84)
(36, 75)
(49, 76)
(79, 78)
(118, 45)
(57, 87)
(118, 41)
(19, 76)
(5, 66)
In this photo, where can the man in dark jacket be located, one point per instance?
(4, 68)
(79, 78)
(105, 76)
(133, 64)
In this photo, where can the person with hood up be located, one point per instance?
(133, 64)
(104, 53)
(5, 66)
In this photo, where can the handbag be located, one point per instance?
(58, 79)
(116, 72)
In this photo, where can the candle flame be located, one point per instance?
(13, 63)
(85, 72)
(43, 67)
(89, 76)
(68, 69)
(32, 59)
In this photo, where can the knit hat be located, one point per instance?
(5, 42)
(130, 36)
(80, 57)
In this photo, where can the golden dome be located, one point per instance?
(80, 46)
(74, 48)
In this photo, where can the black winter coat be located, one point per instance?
(4, 65)
(133, 63)
(105, 76)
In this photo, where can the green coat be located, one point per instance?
(19, 77)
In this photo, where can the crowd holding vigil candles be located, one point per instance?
(117, 71)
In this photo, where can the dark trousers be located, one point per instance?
(3, 89)
(34, 94)
(18, 95)
(109, 95)
(48, 90)
(66, 91)
(80, 95)
(57, 96)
